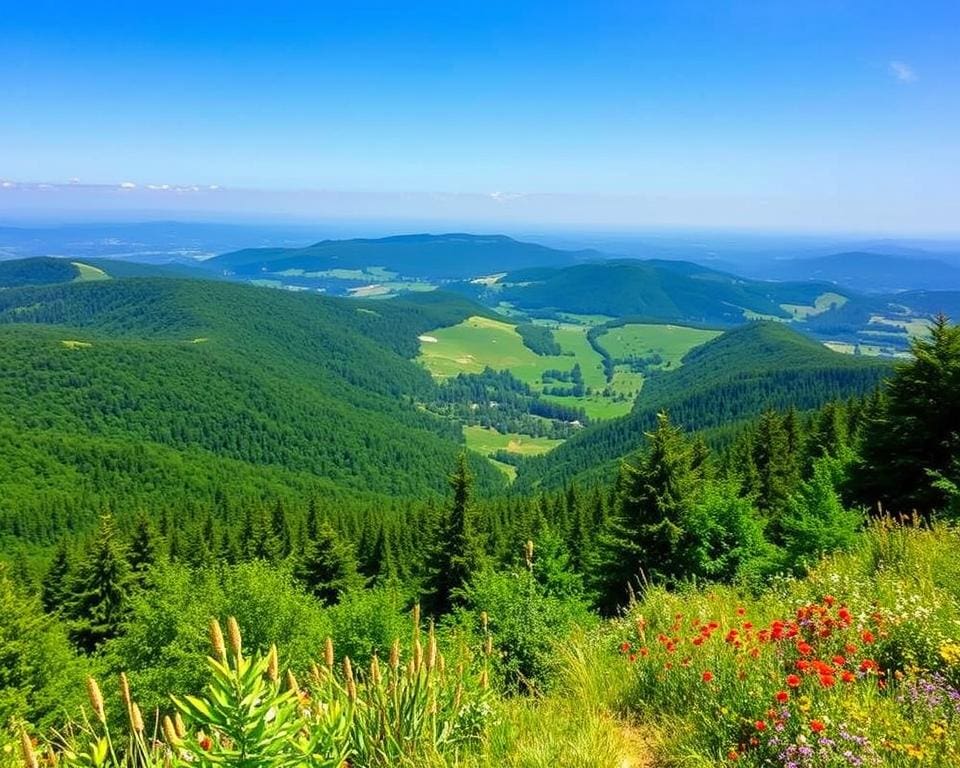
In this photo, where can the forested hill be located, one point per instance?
(48, 270)
(669, 291)
(446, 256)
(739, 374)
(100, 377)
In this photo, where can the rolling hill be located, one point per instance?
(423, 256)
(664, 291)
(186, 380)
(735, 376)
(49, 270)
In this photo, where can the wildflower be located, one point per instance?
(847, 676)
(867, 637)
(732, 755)
(793, 681)
(760, 725)
(827, 681)
(782, 696)
(204, 741)
(817, 726)
(707, 676)
(624, 647)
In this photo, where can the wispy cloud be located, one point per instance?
(903, 72)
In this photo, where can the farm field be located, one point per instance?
(480, 342)
(671, 342)
(823, 303)
(88, 272)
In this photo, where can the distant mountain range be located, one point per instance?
(867, 272)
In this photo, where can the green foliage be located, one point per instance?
(912, 436)
(539, 339)
(328, 567)
(458, 551)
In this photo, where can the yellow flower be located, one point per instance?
(950, 653)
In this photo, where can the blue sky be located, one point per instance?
(765, 113)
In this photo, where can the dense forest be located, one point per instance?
(182, 450)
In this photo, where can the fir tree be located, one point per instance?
(458, 552)
(143, 549)
(328, 566)
(98, 595)
(55, 588)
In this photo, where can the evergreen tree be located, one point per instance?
(458, 551)
(142, 551)
(98, 595)
(647, 535)
(328, 566)
(55, 587)
(911, 438)
(776, 466)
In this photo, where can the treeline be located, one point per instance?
(499, 400)
(539, 339)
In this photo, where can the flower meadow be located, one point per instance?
(856, 665)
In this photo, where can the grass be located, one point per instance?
(823, 303)
(671, 342)
(88, 273)
(479, 342)
(486, 441)
(74, 344)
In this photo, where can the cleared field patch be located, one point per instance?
(74, 344)
(824, 302)
(670, 342)
(88, 272)
(487, 441)
(481, 342)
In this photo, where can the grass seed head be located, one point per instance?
(328, 653)
(26, 747)
(292, 683)
(96, 699)
(233, 633)
(169, 732)
(273, 671)
(136, 718)
(216, 640)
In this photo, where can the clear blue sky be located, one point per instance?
(793, 109)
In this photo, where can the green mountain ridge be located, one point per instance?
(290, 383)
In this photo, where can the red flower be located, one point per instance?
(760, 725)
(204, 742)
(804, 648)
(847, 676)
(867, 637)
(741, 611)
(868, 665)
(732, 755)
(839, 661)
(850, 648)
(793, 681)
(707, 676)
(782, 696)
(817, 726)
(827, 681)
(624, 647)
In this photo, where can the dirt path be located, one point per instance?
(638, 743)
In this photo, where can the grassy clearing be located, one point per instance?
(479, 342)
(486, 441)
(823, 303)
(74, 344)
(671, 342)
(88, 272)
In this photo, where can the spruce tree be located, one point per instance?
(55, 587)
(911, 440)
(98, 595)
(328, 566)
(647, 535)
(142, 552)
(458, 551)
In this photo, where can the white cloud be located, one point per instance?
(903, 72)
(128, 185)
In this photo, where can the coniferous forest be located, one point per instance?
(254, 508)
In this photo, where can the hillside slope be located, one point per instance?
(286, 382)
(737, 375)
(427, 256)
(668, 291)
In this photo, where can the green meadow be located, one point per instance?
(671, 342)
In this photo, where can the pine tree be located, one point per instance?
(911, 437)
(458, 551)
(647, 535)
(777, 468)
(98, 595)
(142, 552)
(55, 586)
(328, 566)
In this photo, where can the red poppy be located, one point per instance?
(827, 681)
(760, 725)
(867, 637)
(707, 676)
(782, 696)
(839, 661)
(817, 726)
(624, 647)
(804, 648)
(793, 681)
(848, 676)
(732, 755)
